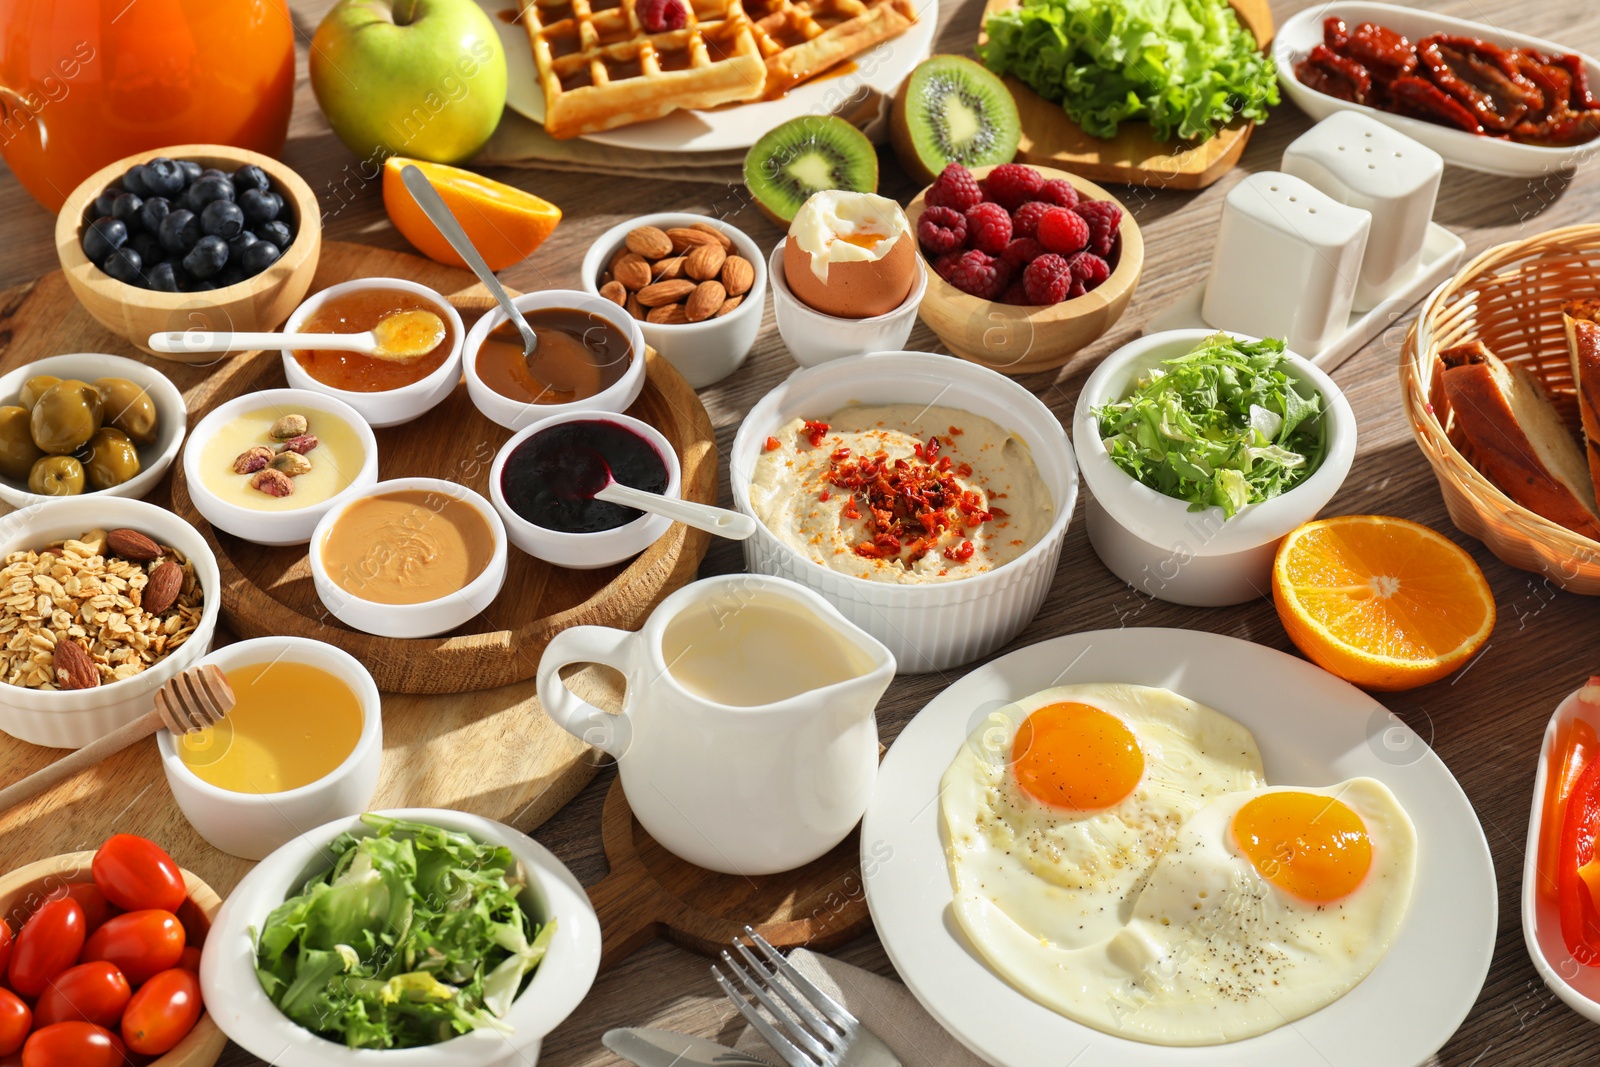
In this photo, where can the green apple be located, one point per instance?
(418, 78)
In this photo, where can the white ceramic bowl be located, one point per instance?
(515, 414)
(703, 352)
(63, 719)
(237, 1003)
(1153, 541)
(390, 407)
(814, 338)
(940, 625)
(586, 551)
(172, 417)
(274, 527)
(411, 620)
(1303, 32)
(250, 825)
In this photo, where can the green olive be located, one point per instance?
(112, 458)
(66, 415)
(18, 453)
(34, 387)
(56, 476)
(129, 408)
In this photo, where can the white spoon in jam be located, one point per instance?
(588, 477)
(401, 337)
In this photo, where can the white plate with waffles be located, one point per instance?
(1312, 730)
(878, 70)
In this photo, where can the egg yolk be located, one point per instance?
(867, 239)
(1076, 756)
(1307, 844)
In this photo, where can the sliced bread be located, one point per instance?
(1582, 319)
(1517, 439)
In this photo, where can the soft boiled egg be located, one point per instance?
(1270, 904)
(1058, 805)
(850, 254)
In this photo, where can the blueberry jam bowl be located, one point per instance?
(544, 479)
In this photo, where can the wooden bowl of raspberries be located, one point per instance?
(1026, 264)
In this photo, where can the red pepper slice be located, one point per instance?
(1580, 918)
(1569, 757)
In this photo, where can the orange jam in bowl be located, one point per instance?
(358, 312)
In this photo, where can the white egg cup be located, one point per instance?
(813, 337)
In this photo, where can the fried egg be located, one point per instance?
(1058, 806)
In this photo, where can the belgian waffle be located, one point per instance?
(601, 69)
(800, 39)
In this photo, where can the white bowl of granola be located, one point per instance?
(43, 600)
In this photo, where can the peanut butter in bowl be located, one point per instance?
(410, 546)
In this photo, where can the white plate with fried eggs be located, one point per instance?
(1142, 906)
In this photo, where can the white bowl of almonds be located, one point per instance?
(102, 601)
(696, 285)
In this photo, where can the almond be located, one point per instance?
(131, 544)
(632, 270)
(161, 591)
(668, 315)
(668, 292)
(617, 257)
(74, 668)
(684, 238)
(722, 239)
(649, 242)
(615, 292)
(667, 269)
(634, 308)
(737, 275)
(729, 304)
(704, 262)
(705, 301)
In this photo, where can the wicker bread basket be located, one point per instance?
(1510, 297)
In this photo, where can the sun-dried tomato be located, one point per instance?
(910, 504)
(815, 432)
(961, 553)
(773, 444)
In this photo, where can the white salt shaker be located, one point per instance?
(1286, 263)
(1359, 161)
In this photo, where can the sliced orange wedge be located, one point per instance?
(1384, 603)
(505, 223)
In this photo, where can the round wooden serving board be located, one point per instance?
(269, 591)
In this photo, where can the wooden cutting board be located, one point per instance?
(1133, 156)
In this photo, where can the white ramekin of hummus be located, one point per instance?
(937, 597)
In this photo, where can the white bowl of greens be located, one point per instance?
(1201, 451)
(410, 938)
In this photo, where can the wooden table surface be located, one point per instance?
(1486, 721)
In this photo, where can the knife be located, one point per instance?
(663, 1048)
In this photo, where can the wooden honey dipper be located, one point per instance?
(191, 700)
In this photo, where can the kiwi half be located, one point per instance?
(952, 110)
(804, 156)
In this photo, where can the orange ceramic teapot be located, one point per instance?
(85, 82)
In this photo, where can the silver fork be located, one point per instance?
(833, 1039)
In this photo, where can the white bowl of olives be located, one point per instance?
(86, 423)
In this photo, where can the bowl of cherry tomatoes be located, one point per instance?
(99, 960)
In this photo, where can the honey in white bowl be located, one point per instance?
(294, 724)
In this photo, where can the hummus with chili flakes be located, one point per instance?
(901, 493)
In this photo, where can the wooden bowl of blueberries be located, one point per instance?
(195, 236)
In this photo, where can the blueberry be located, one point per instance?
(103, 202)
(258, 257)
(232, 274)
(126, 208)
(238, 243)
(260, 206)
(153, 211)
(211, 187)
(222, 218)
(163, 278)
(215, 172)
(276, 232)
(103, 236)
(250, 176)
(207, 257)
(191, 170)
(125, 265)
(133, 181)
(147, 245)
(203, 285)
(164, 177)
(179, 232)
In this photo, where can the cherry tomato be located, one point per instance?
(47, 944)
(15, 1022)
(190, 960)
(96, 908)
(136, 874)
(5, 946)
(74, 1045)
(162, 1012)
(88, 993)
(140, 943)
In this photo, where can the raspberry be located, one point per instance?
(659, 16)
(1022, 251)
(955, 187)
(941, 230)
(1047, 280)
(1063, 232)
(977, 274)
(989, 228)
(1104, 219)
(1016, 293)
(1089, 270)
(1025, 220)
(1058, 191)
(945, 264)
(1011, 185)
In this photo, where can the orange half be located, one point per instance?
(505, 223)
(1384, 603)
